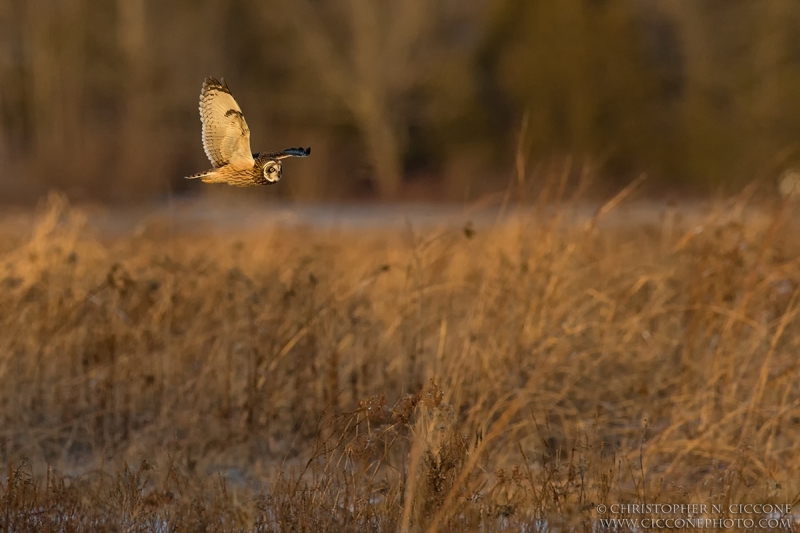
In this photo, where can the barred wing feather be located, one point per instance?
(226, 137)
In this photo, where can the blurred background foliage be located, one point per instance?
(401, 99)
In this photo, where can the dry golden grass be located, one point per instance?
(457, 379)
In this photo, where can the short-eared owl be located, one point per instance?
(226, 141)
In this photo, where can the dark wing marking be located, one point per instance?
(226, 137)
(293, 152)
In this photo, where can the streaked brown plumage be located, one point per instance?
(226, 141)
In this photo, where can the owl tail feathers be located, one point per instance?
(209, 176)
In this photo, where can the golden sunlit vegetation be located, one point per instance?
(413, 379)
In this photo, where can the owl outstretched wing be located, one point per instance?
(226, 137)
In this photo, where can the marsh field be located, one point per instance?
(492, 372)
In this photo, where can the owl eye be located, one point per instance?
(270, 171)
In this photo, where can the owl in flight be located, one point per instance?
(226, 141)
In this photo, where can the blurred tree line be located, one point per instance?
(397, 98)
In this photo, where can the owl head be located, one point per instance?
(270, 162)
(272, 171)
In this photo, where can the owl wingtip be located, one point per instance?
(212, 82)
(291, 152)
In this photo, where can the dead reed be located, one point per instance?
(300, 379)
